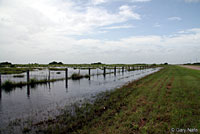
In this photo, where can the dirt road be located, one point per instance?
(192, 67)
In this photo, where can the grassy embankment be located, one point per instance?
(155, 104)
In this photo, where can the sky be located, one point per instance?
(107, 31)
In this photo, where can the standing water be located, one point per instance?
(43, 101)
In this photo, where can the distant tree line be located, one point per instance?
(197, 63)
(97, 63)
(55, 63)
(6, 64)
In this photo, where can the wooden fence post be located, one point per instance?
(28, 77)
(66, 73)
(49, 75)
(66, 77)
(122, 69)
(104, 71)
(115, 70)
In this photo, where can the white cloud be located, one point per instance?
(57, 16)
(177, 48)
(175, 18)
(125, 11)
(119, 27)
(141, 0)
(97, 2)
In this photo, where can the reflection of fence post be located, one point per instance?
(28, 90)
(115, 70)
(89, 71)
(28, 77)
(104, 71)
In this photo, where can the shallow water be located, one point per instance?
(43, 101)
(44, 74)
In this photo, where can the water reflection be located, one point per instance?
(104, 76)
(28, 91)
(49, 83)
(66, 83)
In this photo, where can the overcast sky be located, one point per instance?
(110, 31)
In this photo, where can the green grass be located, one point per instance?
(167, 99)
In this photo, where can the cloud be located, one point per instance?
(141, 0)
(42, 31)
(175, 18)
(119, 27)
(125, 11)
(178, 48)
(97, 2)
(66, 17)
(191, 1)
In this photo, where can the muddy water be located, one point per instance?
(43, 101)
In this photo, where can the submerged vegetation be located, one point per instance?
(154, 104)
(9, 85)
(18, 76)
(77, 76)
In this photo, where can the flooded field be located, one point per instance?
(43, 101)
